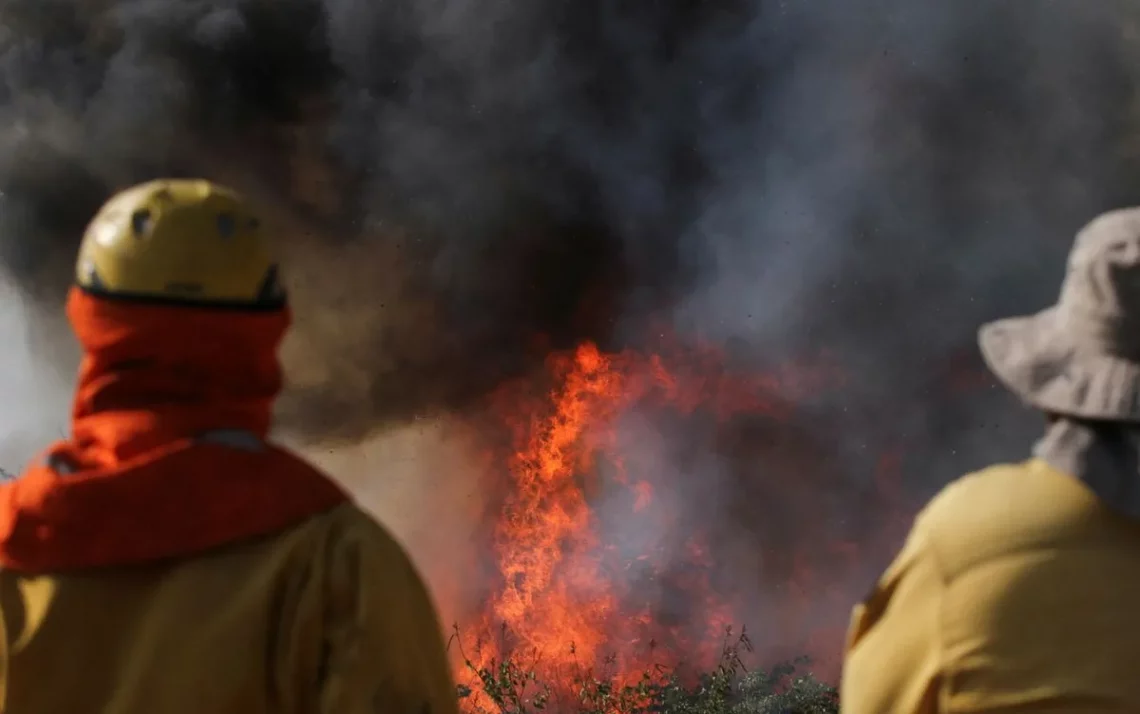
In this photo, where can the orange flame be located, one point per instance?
(566, 600)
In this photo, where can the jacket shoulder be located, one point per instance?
(349, 526)
(1008, 509)
(383, 644)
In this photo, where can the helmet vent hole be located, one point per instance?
(226, 226)
(140, 223)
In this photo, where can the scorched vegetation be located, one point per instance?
(514, 686)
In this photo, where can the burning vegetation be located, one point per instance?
(591, 607)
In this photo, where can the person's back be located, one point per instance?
(1017, 588)
(1017, 591)
(328, 616)
(166, 557)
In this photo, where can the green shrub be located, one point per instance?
(513, 687)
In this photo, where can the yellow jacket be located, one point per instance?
(328, 616)
(1017, 591)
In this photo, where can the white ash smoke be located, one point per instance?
(452, 178)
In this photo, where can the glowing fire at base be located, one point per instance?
(567, 604)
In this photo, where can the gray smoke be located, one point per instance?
(460, 185)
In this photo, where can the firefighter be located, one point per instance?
(1018, 588)
(166, 557)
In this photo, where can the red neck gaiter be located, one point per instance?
(135, 482)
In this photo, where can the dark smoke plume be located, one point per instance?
(459, 185)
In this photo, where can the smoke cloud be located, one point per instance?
(461, 185)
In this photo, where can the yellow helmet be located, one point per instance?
(179, 240)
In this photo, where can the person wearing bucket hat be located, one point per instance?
(1018, 586)
(166, 557)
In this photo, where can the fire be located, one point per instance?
(568, 602)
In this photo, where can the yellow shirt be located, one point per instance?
(328, 617)
(1016, 591)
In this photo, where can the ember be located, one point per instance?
(568, 602)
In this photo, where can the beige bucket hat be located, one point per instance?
(1081, 357)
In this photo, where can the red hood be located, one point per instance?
(134, 483)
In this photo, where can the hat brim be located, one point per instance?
(1046, 368)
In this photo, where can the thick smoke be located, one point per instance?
(455, 178)
(460, 185)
